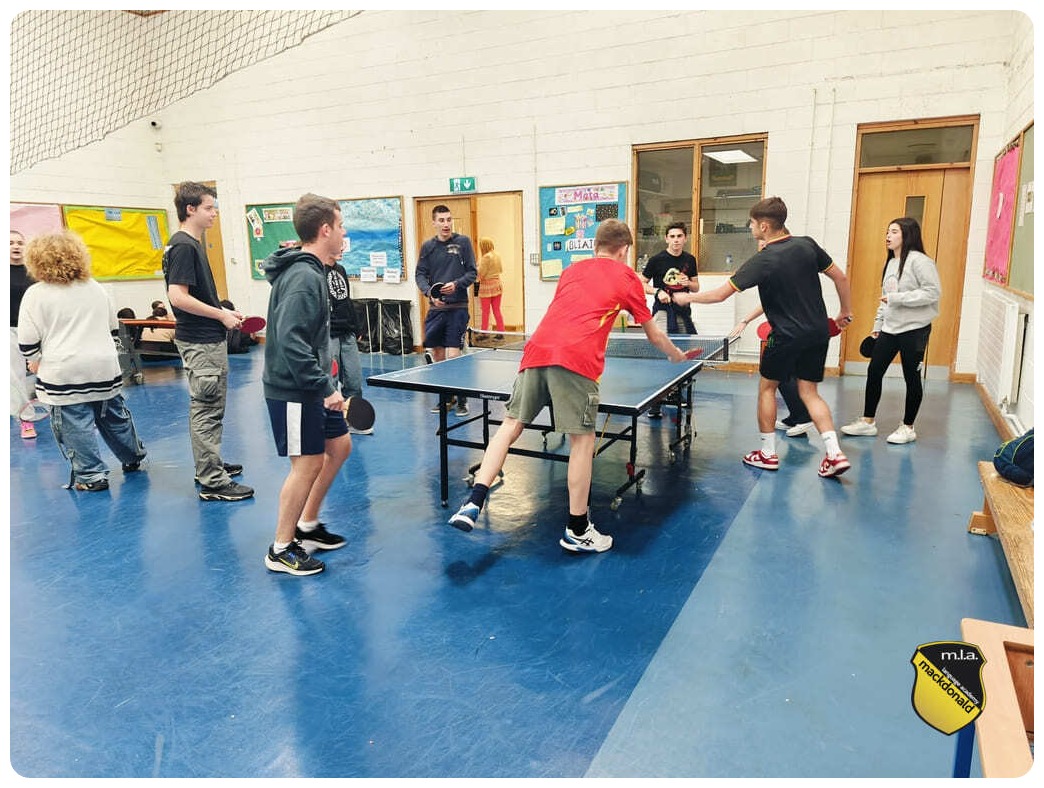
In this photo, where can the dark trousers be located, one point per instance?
(910, 345)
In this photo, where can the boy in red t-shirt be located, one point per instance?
(562, 364)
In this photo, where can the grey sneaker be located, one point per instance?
(293, 560)
(233, 491)
(462, 408)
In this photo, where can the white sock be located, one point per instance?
(279, 547)
(307, 525)
(768, 443)
(833, 448)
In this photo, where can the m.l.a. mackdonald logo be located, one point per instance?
(947, 691)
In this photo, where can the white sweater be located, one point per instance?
(68, 328)
(913, 301)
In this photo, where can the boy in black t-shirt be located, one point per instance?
(786, 272)
(672, 271)
(201, 336)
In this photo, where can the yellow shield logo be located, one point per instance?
(948, 692)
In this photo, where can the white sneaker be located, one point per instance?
(590, 541)
(903, 434)
(860, 427)
(782, 425)
(353, 431)
(799, 429)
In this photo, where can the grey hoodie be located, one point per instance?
(913, 301)
(297, 337)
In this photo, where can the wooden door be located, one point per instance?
(938, 199)
(463, 223)
(214, 248)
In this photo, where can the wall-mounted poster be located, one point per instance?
(1002, 212)
(32, 220)
(373, 235)
(569, 217)
(125, 243)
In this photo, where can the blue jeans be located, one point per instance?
(73, 428)
(345, 351)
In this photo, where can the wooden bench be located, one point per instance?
(1007, 511)
(1004, 730)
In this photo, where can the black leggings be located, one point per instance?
(910, 345)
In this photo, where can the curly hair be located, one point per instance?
(58, 258)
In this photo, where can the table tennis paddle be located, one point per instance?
(696, 352)
(832, 327)
(251, 325)
(435, 291)
(764, 329)
(334, 369)
(359, 413)
(33, 410)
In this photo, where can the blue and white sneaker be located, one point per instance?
(465, 517)
(590, 541)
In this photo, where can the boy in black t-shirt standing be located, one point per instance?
(786, 272)
(201, 337)
(670, 271)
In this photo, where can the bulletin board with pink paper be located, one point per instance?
(36, 219)
(1002, 214)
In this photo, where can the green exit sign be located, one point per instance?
(459, 185)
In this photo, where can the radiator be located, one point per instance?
(1002, 333)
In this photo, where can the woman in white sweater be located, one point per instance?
(910, 292)
(65, 332)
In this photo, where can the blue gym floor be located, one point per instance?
(745, 624)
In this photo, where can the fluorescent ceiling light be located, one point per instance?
(729, 156)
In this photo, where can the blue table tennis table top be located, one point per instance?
(628, 385)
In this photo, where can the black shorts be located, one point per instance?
(303, 428)
(784, 358)
(446, 328)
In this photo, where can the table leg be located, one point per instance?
(443, 449)
(963, 755)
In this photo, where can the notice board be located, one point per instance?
(1020, 274)
(125, 243)
(373, 236)
(32, 219)
(569, 218)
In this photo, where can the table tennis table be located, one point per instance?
(636, 377)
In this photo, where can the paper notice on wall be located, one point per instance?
(378, 259)
(554, 225)
(392, 276)
(368, 274)
(550, 269)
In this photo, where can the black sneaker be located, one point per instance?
(132, 467)
(97, 486)
(230, 492)
(231, 468)
(293, 560)
(655, 413)
(319, 538)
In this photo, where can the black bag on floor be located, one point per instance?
(368, 316)
(396, 327)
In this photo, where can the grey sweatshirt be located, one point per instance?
(913, 301)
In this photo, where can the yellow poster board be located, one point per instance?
(125, 243)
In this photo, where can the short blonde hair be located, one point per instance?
(612, 235)
(58, 258)
(485, 245)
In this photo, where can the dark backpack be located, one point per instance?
(1014, 460)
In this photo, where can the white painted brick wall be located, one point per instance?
(395, 103)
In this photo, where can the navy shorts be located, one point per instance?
(446, 327)
(784, 358)
(303, 428)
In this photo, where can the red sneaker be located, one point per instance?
(834, 467)
(757, 459)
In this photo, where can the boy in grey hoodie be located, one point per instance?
(304, 404)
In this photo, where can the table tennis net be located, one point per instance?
(621, 345)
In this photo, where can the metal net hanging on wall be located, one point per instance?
(79, 75)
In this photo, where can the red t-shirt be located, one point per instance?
(575, 330)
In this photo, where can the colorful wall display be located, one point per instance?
(1020, 273)
(569, 218)
(1002, 211)
(35, 219)
(373, 236)
(125, 243)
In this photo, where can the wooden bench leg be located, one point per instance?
(981, 523)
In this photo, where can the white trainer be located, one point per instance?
(799, 429)
(590, 541)
(860, 427)
(904, 434)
